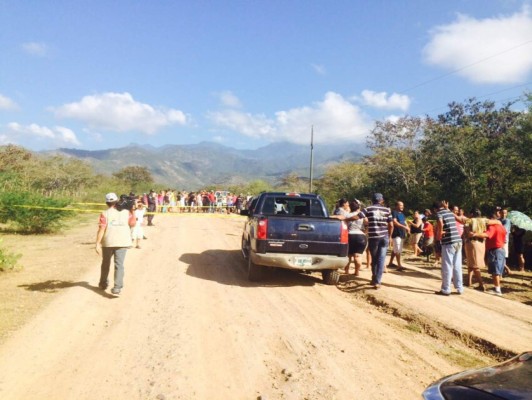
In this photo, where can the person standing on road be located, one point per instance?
(400, 229)
(152, 206)
(416, 231)
(507, 224)
(357, 239)
(495, 239)
(380, 226)
(475, 247)
(451, 250)
(137, 233)
(112, 241)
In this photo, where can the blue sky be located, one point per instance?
(104, 74)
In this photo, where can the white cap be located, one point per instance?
(110, 197)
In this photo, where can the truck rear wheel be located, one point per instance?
(245, 248)
(254, 271)
(330, 277)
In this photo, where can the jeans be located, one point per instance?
(451, 267)
(119, 254)
(151, 209)
(377, 248)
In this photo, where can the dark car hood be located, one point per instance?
(510, 380)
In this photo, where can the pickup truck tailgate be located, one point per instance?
(304, 236)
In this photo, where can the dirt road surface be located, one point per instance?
(189, 326)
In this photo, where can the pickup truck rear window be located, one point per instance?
(292, 206)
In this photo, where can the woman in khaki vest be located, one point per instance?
(112, 241)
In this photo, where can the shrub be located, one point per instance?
(8, 260)
(33, 213)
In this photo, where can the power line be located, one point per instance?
(489, 95)
(465, 67)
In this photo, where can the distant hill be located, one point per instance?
(206, 163)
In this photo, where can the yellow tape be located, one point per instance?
(168, 206)
(173, 214)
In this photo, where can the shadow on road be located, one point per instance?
(52, 286)
(229, 268)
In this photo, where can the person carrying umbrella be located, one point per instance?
(520, 224)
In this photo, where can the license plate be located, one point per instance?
(303, 261)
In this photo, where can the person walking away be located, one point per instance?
(475, 247)
(451, 250)
(112, 241)
(495, 238)
(400, 230)
(379, 220)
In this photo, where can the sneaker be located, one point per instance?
(494, 292)
(480, 288)
(440, 293)
(116, 292)
(102, 287)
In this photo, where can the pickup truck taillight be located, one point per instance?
(344, 236)
(262, 229)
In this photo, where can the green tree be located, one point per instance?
(293, 183)
(62, 176)
(16, 167)
(398, 167)
(135, 176)
(349, 180)
(469, 150)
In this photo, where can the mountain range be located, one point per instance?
(207, 163)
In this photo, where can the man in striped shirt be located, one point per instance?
(380, 226)
(451, 250)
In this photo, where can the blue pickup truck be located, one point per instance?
(293, 231)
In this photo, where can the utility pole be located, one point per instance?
(311, 156)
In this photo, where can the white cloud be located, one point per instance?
(319, 69)
(491, 50)
(35, 49)
(255, 126)
(7, 104)
(334, 119)
(57, 136)
(5, 139)
(67, 135)
(381, 100)
(119, 112)
(228, 99)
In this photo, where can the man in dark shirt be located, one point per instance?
(152, 206)
(400, 229)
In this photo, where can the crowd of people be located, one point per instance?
(170, 200)
(445, 233)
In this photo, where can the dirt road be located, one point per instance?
(189, 326)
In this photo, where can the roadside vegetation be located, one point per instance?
(474, 154)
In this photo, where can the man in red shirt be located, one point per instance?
(495, 238)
